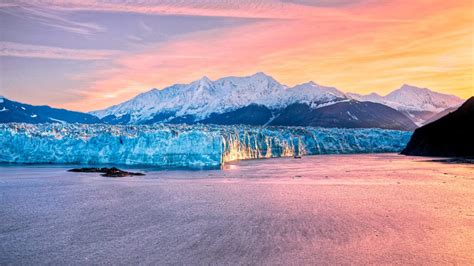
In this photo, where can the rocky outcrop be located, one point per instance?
(108, 172)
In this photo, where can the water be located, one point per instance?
(333, 209)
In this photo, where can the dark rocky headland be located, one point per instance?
(449, 136)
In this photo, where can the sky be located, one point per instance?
(87, 55)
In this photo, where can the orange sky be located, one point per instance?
(362, 46)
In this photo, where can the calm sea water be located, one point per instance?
(349, 209)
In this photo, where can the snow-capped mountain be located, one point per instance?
(372, 97)
(419, 104)
(313, 94)
(411, 98)
(259, 99)
(253, 100)
(204, 97)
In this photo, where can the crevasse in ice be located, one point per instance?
(182, 145)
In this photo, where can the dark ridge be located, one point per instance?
(24, 113)
(114, 120)
(449, 136)
(350, 114)
(160, 117)
(250, 115)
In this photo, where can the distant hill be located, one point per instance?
(449, 136)
(350, 114)
(11, 111)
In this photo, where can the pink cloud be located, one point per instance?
(244, 8)
(39, 51)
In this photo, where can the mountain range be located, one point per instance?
(258, 100)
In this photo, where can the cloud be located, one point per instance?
(144, 27)
(51, 12)
(48, 52)
(324, 3)
(135, 38)
(274, 9)
(51, 17)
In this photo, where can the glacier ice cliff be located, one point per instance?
(182, 145)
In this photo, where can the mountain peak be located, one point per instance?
(312, 84)
(310, 93)
(202, 82)
(407, 90)
(205, 79)
(407, 86)
(153, 91)
(374, 94)
(308, 84)
(261, 74)
(411, 88)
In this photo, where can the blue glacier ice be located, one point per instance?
(182, 145)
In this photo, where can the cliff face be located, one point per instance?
(449, 136)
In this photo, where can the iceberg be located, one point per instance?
(161, 145)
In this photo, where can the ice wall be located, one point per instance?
(182, 145)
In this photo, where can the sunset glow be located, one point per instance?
(85, 55)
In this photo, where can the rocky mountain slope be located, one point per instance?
(450, 136)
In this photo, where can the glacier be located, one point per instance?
(161, 145)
